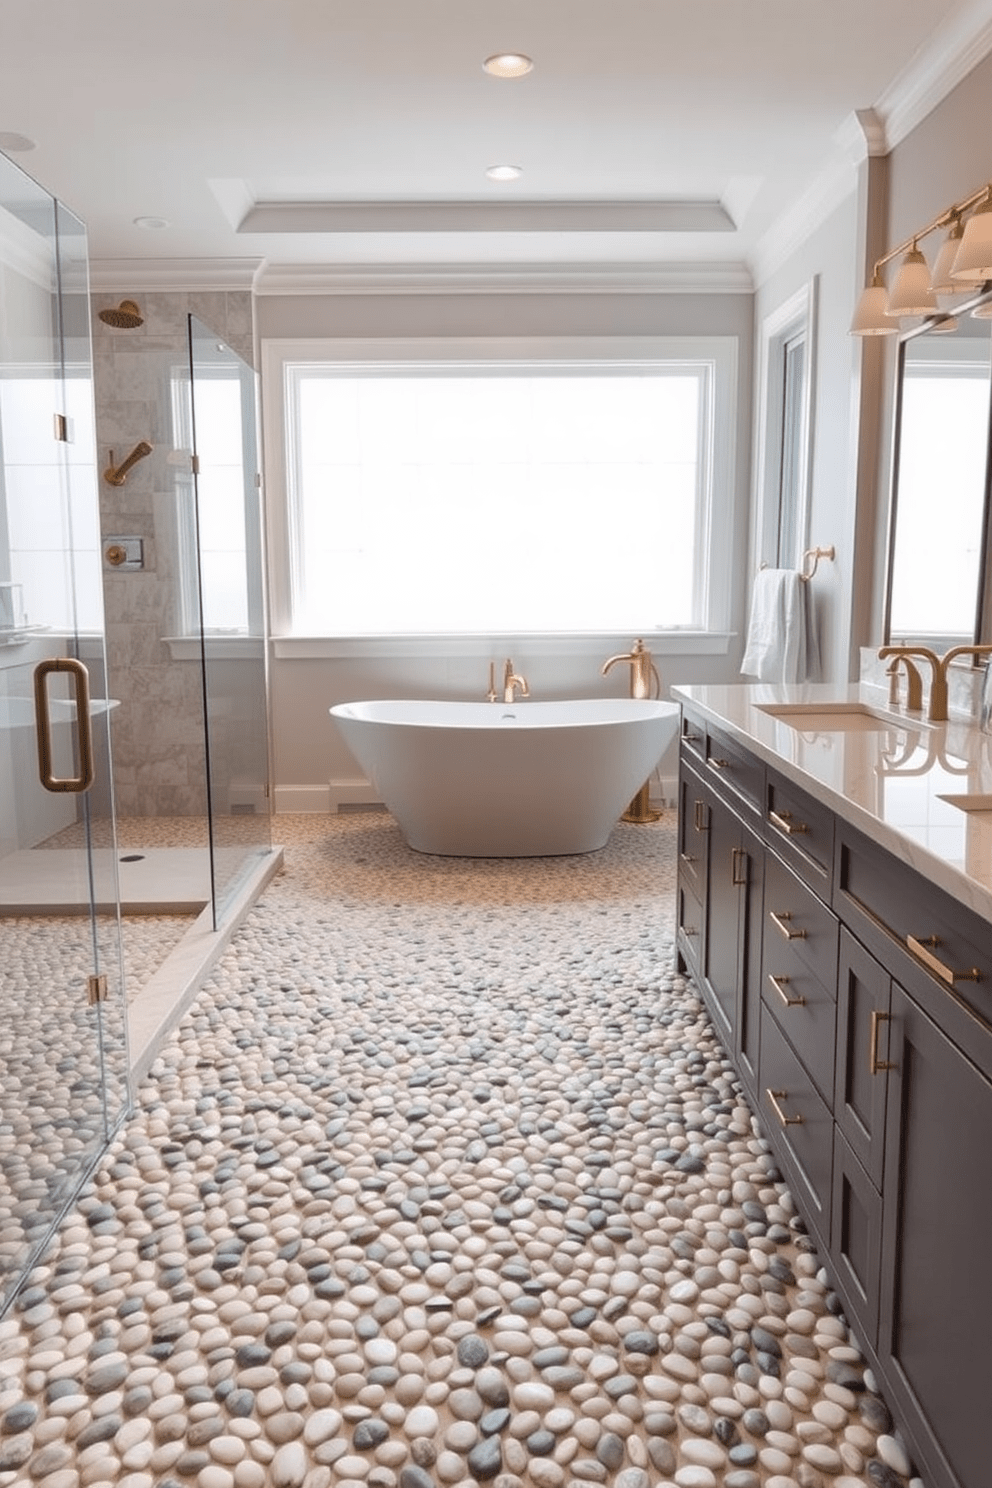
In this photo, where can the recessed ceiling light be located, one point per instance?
(151, 222)
(11, 143)
(504, 172)
(508, 65)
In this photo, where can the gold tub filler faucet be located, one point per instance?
(644, 683)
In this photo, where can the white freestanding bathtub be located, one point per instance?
(514, 780)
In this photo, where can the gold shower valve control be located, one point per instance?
(125, 554)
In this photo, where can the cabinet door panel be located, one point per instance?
(689, 925)
(692, 831)
(856, 1237)
(862, 1054)
(748, 1034)
(937, 1221)
(721, 960)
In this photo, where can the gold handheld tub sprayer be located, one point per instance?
(644, 683)
(116, 475)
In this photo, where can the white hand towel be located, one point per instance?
(781, 639)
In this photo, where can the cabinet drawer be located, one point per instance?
(796, 918)
(690, 923)
(801, 830)
(942, 946)
(803, 1008)
(798, 1124)
(730, 768)
(693, 736)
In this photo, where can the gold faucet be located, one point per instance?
(511, 680)
(914, 683)
(642, 670)
(937, 711)
(643, 673)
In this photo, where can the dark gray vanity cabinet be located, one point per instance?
(720, 901)
(936, 1303)
(855, 999)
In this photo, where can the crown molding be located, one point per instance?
(825, 193)
(487, 279)
(955, 48)
(485, 216)
(177, 274)
(861, 135)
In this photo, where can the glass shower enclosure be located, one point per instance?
(63, 1035)
(222, 578)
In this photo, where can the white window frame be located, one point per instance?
(795, 318)
(718, 520)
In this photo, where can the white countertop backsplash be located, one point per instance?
(888, 782)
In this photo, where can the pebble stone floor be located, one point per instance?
(443, 1180)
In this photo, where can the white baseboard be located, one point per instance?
(303, 800)
(356, 791)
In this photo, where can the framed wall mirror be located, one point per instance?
(938, 556)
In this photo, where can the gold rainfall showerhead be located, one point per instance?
(126, 316)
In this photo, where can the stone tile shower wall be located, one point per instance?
(158, 731)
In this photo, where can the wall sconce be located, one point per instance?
(963, 264)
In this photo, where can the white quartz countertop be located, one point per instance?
(887, 772)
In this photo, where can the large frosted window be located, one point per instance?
(486, 497)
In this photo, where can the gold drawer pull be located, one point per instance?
(738, 873)
(924, 949)
(687, 858)
(718, 764)
(780, 984)
(783, 820)
(689, 930)
(779, 921)
(699, 816)
(692, 738)
(775, 1096)
(876, 1065)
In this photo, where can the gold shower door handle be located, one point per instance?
(75, 784)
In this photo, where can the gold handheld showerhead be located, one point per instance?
(126, 316)
(116, 475)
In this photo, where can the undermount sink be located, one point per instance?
(829, 717)
(976, 802)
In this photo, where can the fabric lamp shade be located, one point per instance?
(973, 264)
(871, 318)
(911, 293)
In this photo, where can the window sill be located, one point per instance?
(575, 643)
(217, 647)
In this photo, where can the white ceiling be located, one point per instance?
(281, 139)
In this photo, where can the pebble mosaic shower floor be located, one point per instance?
(443, 1180)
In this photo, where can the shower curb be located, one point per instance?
(166, 995)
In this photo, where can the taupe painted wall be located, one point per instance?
(945, 159)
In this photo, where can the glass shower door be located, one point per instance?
(229, 551)
(63, 1054)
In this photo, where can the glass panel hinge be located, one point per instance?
(96, 989)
